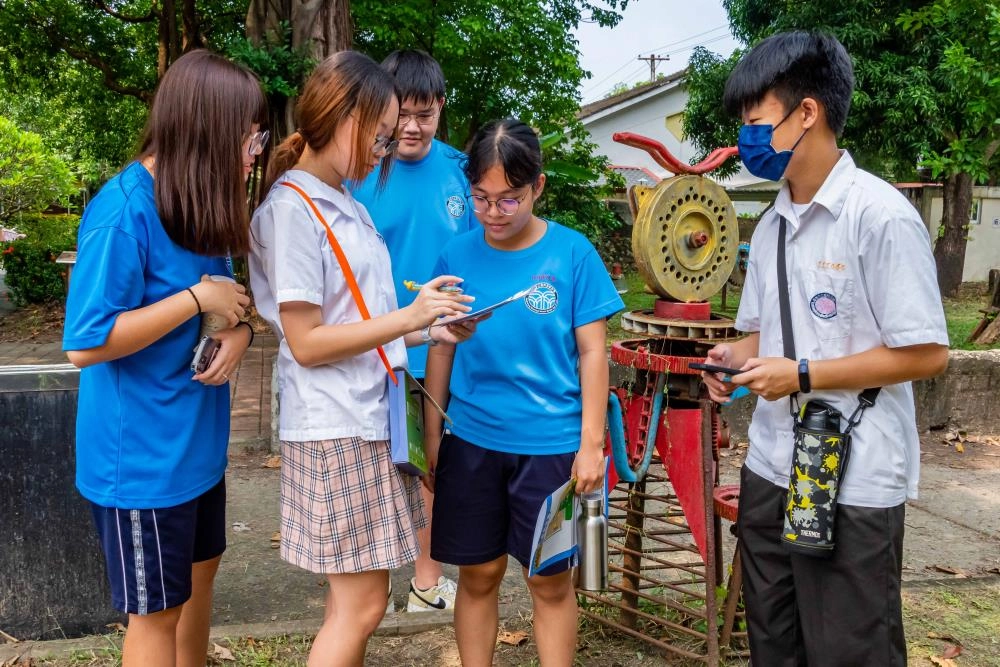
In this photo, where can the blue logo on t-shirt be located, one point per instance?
(824, 305)
(542, 299)
(456, 206)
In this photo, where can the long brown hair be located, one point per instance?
(345, 84)
(201, 114)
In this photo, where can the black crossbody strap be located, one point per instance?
(785, 309)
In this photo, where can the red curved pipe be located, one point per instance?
(665, 158)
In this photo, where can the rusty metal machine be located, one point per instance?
(666, 570)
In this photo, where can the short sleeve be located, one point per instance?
(108, 279)
(293, 259)
(900, 281)
(748, 313)
(594, 295)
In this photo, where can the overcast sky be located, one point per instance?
(660, 27)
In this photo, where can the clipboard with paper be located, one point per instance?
(555, 537)
(406, 422)
(483, 312)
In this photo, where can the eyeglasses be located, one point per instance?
(424, 118)
(384, 145)
(257, 142)
(505, 206)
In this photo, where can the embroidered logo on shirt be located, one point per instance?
(823, 305)
(834, 266)
(542, 299)
(456, 206)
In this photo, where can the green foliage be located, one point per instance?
(32, 274)
(705, 121)
(507, 58)
(282, 70)
(31, 177)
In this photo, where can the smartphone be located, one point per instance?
(715, 369)
(204, 354)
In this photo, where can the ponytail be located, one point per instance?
(284, 157)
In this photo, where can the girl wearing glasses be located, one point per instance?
(151, 436)
(527, 394)
(346, 511)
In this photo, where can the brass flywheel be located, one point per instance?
(686, 237)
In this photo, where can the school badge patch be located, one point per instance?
(455, 206)
(542, 299)
(824, 305)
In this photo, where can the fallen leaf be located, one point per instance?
(240, 527)
(276, 540)
(959, 447)
(117, 627)
(951, 651)
(222, 653)
(993, 570)
(938, 635)
(272, 462)
(943, 662)
(961, 574)
(512, 638)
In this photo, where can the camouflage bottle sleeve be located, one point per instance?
(818, 462)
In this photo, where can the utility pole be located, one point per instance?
(653, 59)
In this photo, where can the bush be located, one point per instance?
(31, 177)
(32, 274)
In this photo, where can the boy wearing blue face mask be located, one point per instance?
(863, 311)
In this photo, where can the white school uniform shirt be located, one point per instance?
(860, 274)
(291, 260)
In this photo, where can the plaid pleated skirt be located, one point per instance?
(346, 508)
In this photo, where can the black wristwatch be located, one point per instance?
(805, 386)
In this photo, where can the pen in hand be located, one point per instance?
(414, 286)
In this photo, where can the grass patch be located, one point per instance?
(965, 613)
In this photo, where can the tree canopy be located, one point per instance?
(927, 93)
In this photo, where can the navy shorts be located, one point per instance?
(149, 553)
(486, 502)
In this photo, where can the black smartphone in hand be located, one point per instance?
(204, 354)
(715, 369)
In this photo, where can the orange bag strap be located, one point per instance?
(352, 283)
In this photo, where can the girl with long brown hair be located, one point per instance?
(151, 433)
(346, 511)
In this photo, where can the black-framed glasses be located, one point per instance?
(423, 118)
(257, 142)
(506, 206)
(384, 145)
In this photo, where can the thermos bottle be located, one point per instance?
(592, 531)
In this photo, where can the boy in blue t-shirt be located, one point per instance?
(421, 207)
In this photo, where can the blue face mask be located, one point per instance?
(758, 154)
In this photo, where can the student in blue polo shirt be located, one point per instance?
(151, 435)
(422, 206)
(527, 394)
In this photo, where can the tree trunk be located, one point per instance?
(167, 38)
(192, 38)
(319, 28)
(949, 251)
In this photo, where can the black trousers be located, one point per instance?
(803, 611)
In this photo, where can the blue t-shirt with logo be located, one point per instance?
(423, 206)
(515, 385)
(147, 435)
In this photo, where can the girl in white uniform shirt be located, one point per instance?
(346, 511)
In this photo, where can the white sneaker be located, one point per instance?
(441, 596)
(390, 604)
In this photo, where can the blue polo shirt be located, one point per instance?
(423, 206)
(515, 386)
(147, 435)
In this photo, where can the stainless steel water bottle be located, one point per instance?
(592, 531)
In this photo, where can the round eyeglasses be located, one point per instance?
(384, 145)
(505, 206)
(257, 142)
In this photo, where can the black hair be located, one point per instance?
(418, 76)
(794, 65)
(510, 144)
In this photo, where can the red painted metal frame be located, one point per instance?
(663, 157)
